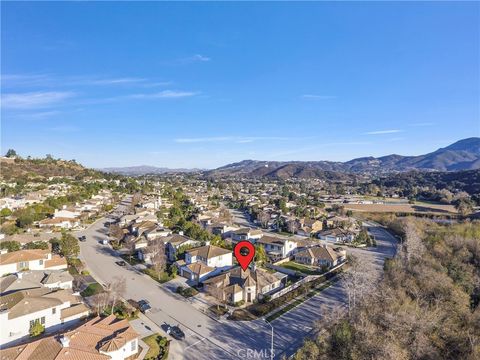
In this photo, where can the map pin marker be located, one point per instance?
(244, 251)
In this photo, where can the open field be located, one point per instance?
(404, 208)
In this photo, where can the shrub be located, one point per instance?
(36, 329)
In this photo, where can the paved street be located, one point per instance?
(207, 338)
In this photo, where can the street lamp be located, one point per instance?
(271, 346)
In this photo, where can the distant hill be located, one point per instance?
(143, 170)
(24, 169)
(462, 155)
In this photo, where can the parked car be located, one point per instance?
(121, 263)
(175, 332)
(104, 242)
(82, 238)
(144, 306)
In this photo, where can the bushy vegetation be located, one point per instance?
(426, 306)
(186, 291)
(158, 347)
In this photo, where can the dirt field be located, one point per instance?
(404, 208)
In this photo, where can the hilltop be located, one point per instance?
(461, 155)
(28, 169)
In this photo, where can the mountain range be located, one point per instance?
(461, 155)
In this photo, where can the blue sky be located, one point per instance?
(206, 84)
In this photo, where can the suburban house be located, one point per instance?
(277, 248)
(309, 227)
(59, 222)
(32, 259)
(337, 235)
(175, 242)
(204, 261)
(248, 234)
(98, 339)
(64, 213)
(20, 310)
(222, 229)
(237, 285)
(32, 279)
(322, 256)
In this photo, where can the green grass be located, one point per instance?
(158, 345)
(92, 289)
(301, 268)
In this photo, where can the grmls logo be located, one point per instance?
(255, 354)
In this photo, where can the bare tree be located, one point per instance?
(358, 281)
(264, 218)
(116, 232)
(130, 245)
(118, 287)
(225, 215)
(412, 247)
(292, 226)
(157, 252)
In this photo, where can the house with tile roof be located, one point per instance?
(205, 261)
(322, 256)
(31, 259)
(238, 285)
(55, 310)
(98, 339)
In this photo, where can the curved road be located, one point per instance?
(207, 338)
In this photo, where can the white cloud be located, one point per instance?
(34, 99)
(166, 94)
(199, 57)
(380, 132)
(116, 81)
(318, 97)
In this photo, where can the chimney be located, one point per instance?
(65, 341)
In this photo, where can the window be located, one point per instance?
(32, 322)
(134, 345)
(40, 262)
(42, 320)
(54, 311)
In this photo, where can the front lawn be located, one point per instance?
(162, 277)
(186, 292)
(291, 265)
(92, 289)
(158, 347)
(218, 309)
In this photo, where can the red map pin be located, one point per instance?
(244, 251)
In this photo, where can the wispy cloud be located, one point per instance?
(199, 57)
(380, 132)
(166, 94)
(32, 100)
(52, 80)
(317, 97)
(115, 81)
(236, 139)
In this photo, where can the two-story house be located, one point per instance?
(337, 235)
(205, 261)
(32, 259)
(20, 310)
(248, 234)
(277, 248)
